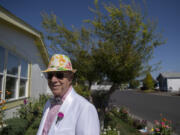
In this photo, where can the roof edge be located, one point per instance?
(16, 21)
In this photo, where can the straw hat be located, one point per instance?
(60, 62)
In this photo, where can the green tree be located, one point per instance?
(116, 45)
(148, 82)
(134, 84)
(126, 40)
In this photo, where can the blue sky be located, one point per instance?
(73, 12)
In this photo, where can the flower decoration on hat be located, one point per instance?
(60, 62)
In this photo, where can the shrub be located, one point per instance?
(15, 126)
(32, 113)
(82, 90)
(148, 82)
(134, 84)
(113, 120)
(100, 99)
(110, 120)
(113, 116)
(124, 115)
(3, 108)
(33, 110)
(32, 130)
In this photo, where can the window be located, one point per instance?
(22, 89)
(13, 75)
(0, 87)
(2, 54)
(24, 67)
(23, 78)
(12, 64)
(10, 87)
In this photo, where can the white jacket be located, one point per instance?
(80, 117)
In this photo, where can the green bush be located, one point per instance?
(82, 90)
(32, 130)
(148, 82)
(110, 120)
(113, 116)
(33, 110)
(134, 84)
(15, 126)
(119, 119)
(100, 99)
(30, 115)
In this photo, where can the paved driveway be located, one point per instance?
(149, 106)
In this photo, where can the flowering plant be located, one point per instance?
(59, 117)
(162, 127)
(124, 114)
(3, 108)
(25, 101)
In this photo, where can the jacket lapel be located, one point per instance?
(65, 107)
(41, 126)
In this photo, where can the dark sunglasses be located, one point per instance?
(59, 75)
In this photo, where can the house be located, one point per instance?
(23, 56)
(169, 81)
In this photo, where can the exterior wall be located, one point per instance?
(173, 85)
(23, 45)
(11, 112)
(38, 82)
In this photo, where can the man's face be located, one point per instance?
(59, 82)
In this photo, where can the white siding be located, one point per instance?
(173, 84)
(22, 44)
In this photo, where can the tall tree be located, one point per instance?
(148, 82)
(117, 44)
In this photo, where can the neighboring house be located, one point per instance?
(169, 81)
(22, 58)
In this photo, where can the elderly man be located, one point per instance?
(67, 113)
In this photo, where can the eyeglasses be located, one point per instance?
(59, 75)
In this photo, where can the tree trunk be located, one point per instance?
(89, 86)
(113, 88)
(89, 89)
